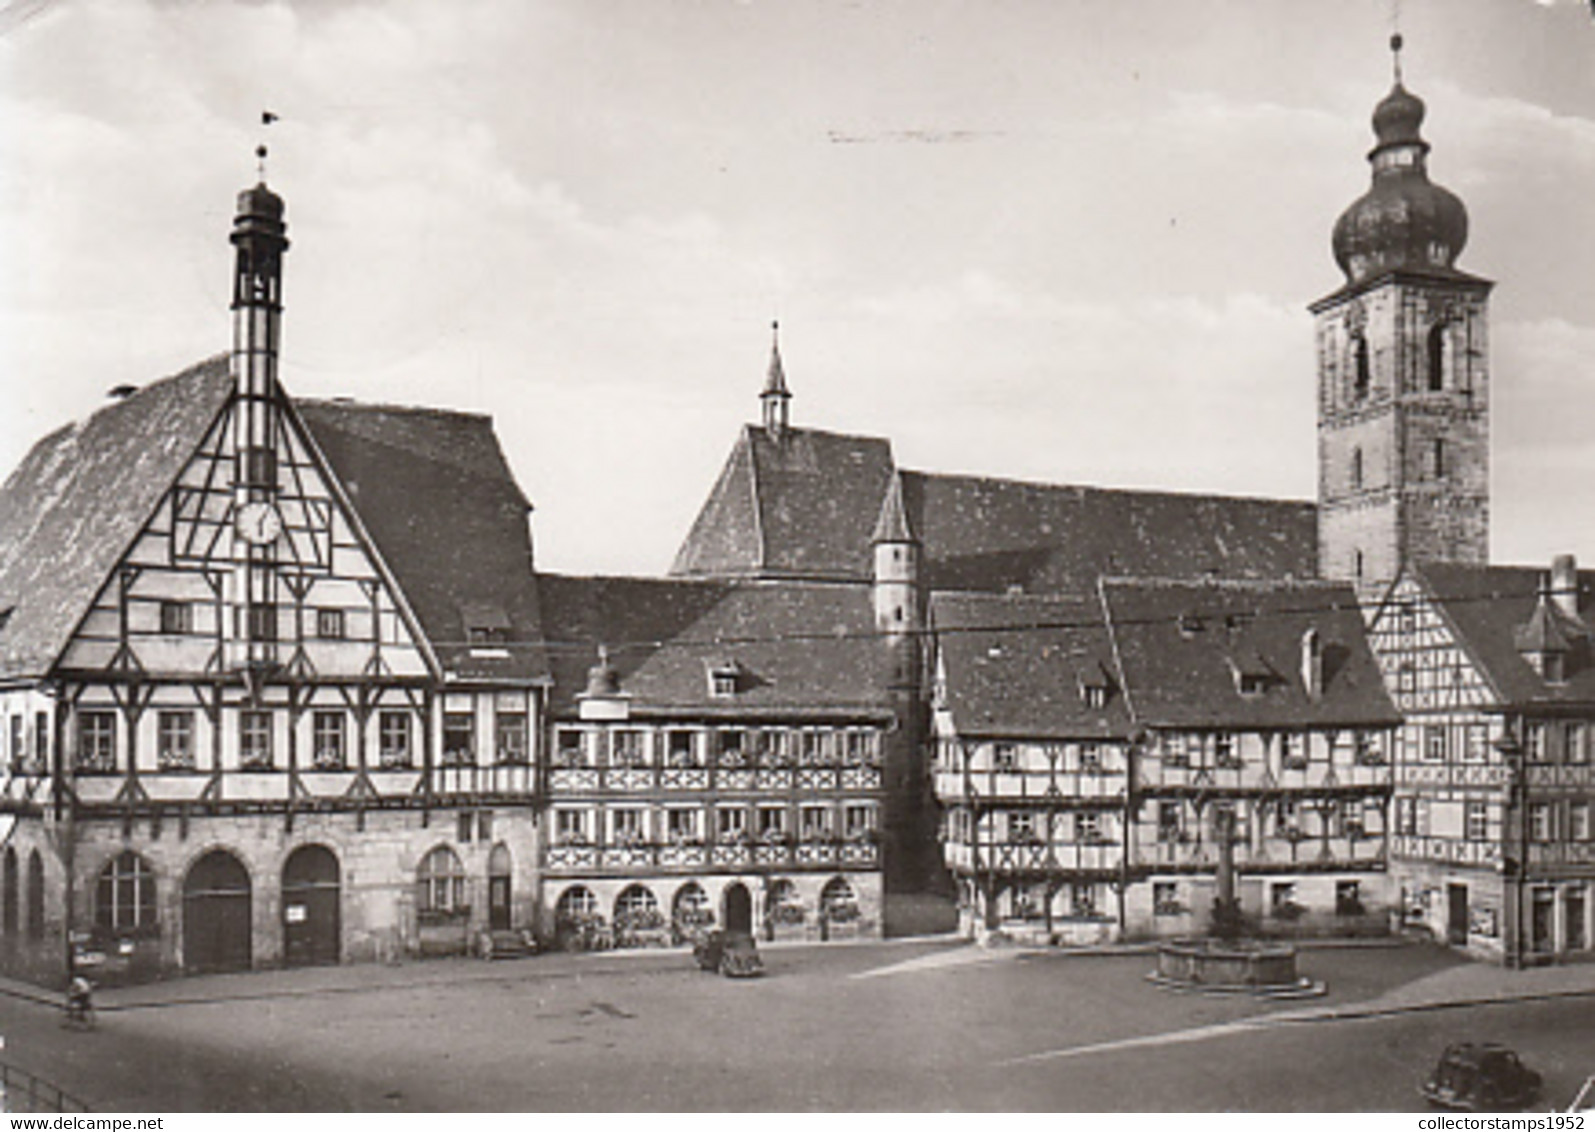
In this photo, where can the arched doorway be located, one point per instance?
(690, 912)
(499, 872)
(311, 908)
(216, 914)
(737, 904)
(9, 918)
(35, 896)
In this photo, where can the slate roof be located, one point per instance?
(806, 650)
(1180, 644)
(1487, 605)
(436, 495)
(806, 506)
(1014, 667)
(75, 504)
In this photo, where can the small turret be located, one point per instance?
(776, 397)
(896, 573)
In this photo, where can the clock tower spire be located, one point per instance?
(259, 239)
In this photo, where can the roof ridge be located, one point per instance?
(1098, 488)
(392, 407)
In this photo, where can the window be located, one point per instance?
(1166, 898)
(1578, 821)
(1534, 742)
(1434, 742)
(682, 827)
(509, 739)
(393, 740)
(41, 740)
(626, 827)
(177, 617)
(1083, 900)
(730, 745)
(1282, 897)
(1407, 816)
(1437, 458)
(440, 885)
(812, 748)
(19, 748)
(262, 621)
(1224, 750)
(1287, 822)
(330, 625)
(1004, 759)
(1361, 378)
(731, 823)
(1168, 821)
(1406, 678)
(97, 741)
(1476, 820)
(1348, 898)
(814, 822)
(570, 827)
(1437, 357)
(1476, 743)
(125, 897)
(1292, 751)
(570, 751)
(1087, 828)
(1094, 695)
(860, 748)
(1022, 827)
(327, 740)
(1366, 750)
(487, 636)
(464, 827)
(681, 748)
(1540, 821)
(459, 738)
(484, 826)
(858, 822)
(254, 740)
(174, 740)
(1575, 742)
(1090, 757)
(625, 748)
(1356, 469)
(259, 467)
(772, 823)
(1174, 753)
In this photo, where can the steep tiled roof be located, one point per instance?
(74, 505)
(980, 533)
(1015, 666)
(799, 506)
(804, 649)
(436, 495)
(1488, 605)
(807, 506)
(1183, 645)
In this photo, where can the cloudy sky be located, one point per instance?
(1069, 240)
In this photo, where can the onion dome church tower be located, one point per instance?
(1403, 371)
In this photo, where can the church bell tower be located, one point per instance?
(1403, 371)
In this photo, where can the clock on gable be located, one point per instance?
(258, 523)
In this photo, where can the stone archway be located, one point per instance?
(736, 906)
(311, 907)
(217, 906)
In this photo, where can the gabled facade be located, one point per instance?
(234, 735)
(1492, 848)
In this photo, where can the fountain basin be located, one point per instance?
(1213, 966)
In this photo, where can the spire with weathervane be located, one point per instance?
(776, 397)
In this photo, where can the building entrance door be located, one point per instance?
(498, 889)
(1542, 921)
(310, 907)
(1576, 939)
(216, 914)
(1457, 919)
(738, 908)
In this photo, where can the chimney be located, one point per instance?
(1564, 584)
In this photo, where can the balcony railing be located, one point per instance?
(654, 855)
(727, 779)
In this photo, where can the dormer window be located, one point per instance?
(1191, 625)
(725, 678)
(487, 629)
(1094, 695)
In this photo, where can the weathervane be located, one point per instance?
(266, 119)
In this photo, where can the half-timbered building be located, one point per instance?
(1492, 668)
(255, 711)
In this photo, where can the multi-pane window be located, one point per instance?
(1004, 757)
(1168, 821)
(1534, 742)
(1292, 751)
(393, 739)
(626, 827)
(1365, 749)
(1476, 820)
(1434, 742)
(509, 738)
(860, 748)
(440, 884)
(1087, 827)
(570, 827)
(731, 744)
(177, 617)
(731, 823)
(682, 826)
(254, 740)
(1090, 757)
(772, 823)
(1578, 821)
(174, 740)
(1083, 900)
(125, 895)
(96, 741)
(569, 749)
(1540, 821)
(1406, 816)
(459, 738)
(327, 749)
(331, 625)
(1224, 750)
(41, 740)
(681, 748)
(1022, 826)
(858, 821)
(811, 748)
(1575, 742)
(814, 822)
(1166, 898)
(261, 620)
(625, 748)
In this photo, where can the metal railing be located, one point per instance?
(21, 1091)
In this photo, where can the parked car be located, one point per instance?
(733, 954)
(1480, 1075)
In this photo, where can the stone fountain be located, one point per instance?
(1225, 961)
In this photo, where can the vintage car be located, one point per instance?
(733, 954)
(1479, 1076)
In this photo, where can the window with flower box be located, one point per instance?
(174, 740)
(860, 748)
(772, 825)
(571, 827)
(1088, 827)
(1169, 826)
(509, 738)
(1166, 898)
(393, 740)
(1292, 751)
(731, 824)
(731, 747)
(254, 740)
(814, 822)
(858, 822)
(684, 826)
(459, 739)
(327, 740)
(569, 749)
(96, 741)
(625, 749)
(1022, 827)
(628, 827)
(682, 748)
(1083, 900)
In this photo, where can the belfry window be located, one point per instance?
(1437, 357)
(1437, 458)
(1361, 376)
(1356, 469)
